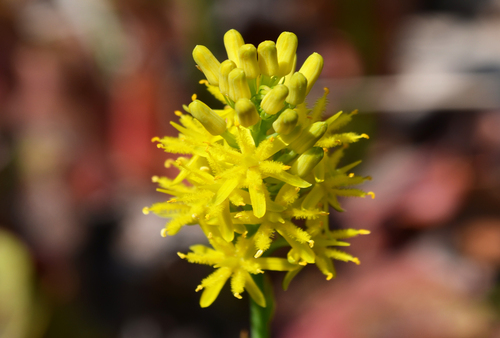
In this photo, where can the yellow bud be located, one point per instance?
(268, 58)
(311, 69)
(248, 61)
(233, 41)
(212, 122)
(274, 100)
(246, 112)
(286, 122)
(298, 88)
(225, 68)
(309, 137)
(286, 46)
(208, 63)
(238, 85)
(307, 161)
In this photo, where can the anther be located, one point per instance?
(258, 254)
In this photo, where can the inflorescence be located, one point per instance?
(254, 167)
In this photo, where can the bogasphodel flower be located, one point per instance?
(250, 169)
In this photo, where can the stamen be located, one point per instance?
(258, 254)
(181, 255)
(163, 232)
(371, 193)
(237, 295)
(199, 288)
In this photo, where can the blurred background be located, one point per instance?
(86, 84)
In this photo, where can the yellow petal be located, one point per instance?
(256, 190)
(289, 276)
(213, 284)
(276, 264)
(226, 189)
(226, 223)
(254, 291)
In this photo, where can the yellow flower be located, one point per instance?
(235, 261)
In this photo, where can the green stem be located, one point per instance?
(260, 317)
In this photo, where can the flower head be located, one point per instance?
(251, 169)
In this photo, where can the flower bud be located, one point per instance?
(309, 137)
(248, 61)
(286, 46)
(208, 63)
(286, 122)
(225, 68)
(298, 88)
(268, 58)
(311, 69)
(307, 161)
(274, 100)
(246, 112)
(238, 85)
(212, 122)
(233, 41)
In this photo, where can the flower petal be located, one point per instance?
(213, 284)
(254, 291)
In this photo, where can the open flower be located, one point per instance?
(235, 261)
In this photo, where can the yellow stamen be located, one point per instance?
(199, 288)
(178, 113)
(237, 295)
(329, 276)
(371, 193)
(311, 243)
(163, 232)
(145, 210)
(258, 254)
(181, 255)
(194, 97)
(155, 139)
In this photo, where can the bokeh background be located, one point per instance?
(86, 84)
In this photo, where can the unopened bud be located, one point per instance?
(246, 112)
(307, 161)
(274, 100)
(286, 122)
(212, 122)
(225, 68)
(248, 61)
(208, 64)
(233, 41)
(311, 69)
(298, 88)
(238, 85)
(309, 137)
(286, 46)
(268, 58)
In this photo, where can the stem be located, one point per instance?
(260, 317)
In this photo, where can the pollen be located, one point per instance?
(194, 97)
(178, 113)
(371, 193)
(163, 232)
(145, 211)
(155, 139)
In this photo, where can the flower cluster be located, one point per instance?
(254, 167)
